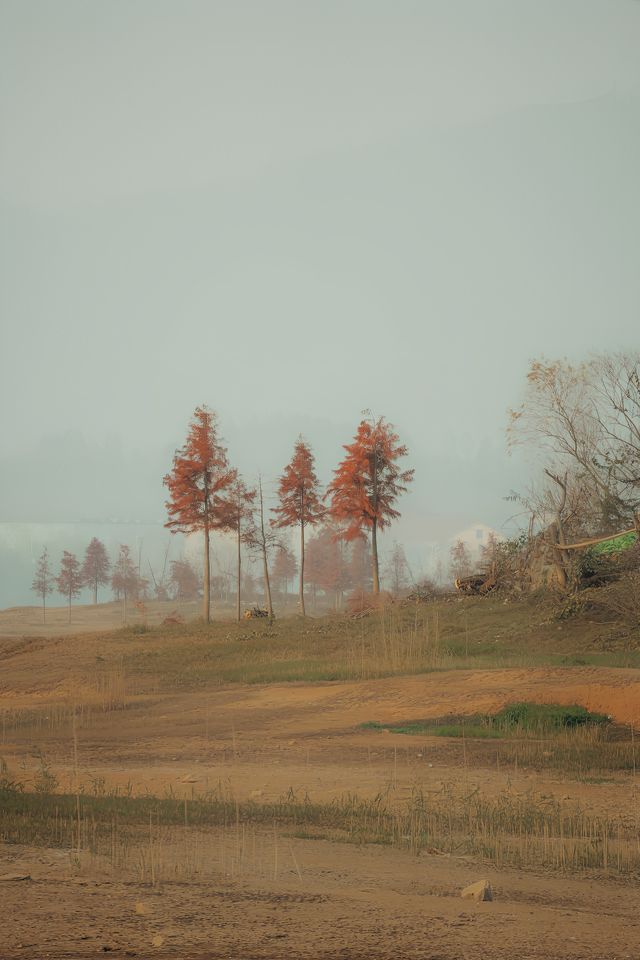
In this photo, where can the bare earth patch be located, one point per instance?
(261, 891)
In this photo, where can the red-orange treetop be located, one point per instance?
(299, 490)
(369, 480)
(199, 479)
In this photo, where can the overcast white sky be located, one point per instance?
(292, 211)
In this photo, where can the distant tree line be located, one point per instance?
(122, 575)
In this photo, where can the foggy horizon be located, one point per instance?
(292, 212)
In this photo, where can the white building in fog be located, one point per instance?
(475, 537)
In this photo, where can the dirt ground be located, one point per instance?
(286, 896)
(345, 902)
(28, 621)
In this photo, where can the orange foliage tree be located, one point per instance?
(367, 484)
(285, 568)
(300, 502)
(69, 580)
(328, 567)
(197, 486)
(95, 569)
(239, 507)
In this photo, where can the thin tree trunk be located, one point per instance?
(560, 555)
(375, 572)
(263, 543)
(301, 591)
(44, 608)
(95, 591)
(69, 606)
(206, 578)
(267, 585)
(239, 570)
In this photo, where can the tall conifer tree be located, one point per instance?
(95, 569)
(69, 580)
(43, 581)
(367, 484)
(197, 486)
(300, 501)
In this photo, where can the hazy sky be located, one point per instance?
(292, 211)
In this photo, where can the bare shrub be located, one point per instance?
(619, 600)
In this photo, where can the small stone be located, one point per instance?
(479, 891)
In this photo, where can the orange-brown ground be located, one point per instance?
(288, 897)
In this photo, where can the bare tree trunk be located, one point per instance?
(267, 585)
(95, 591)
(44, 608)
(239, 571)
(559, 554)
(206, 578)
(301, 590)
(265, 561)
(375, 571)
(69, 606)
(375, 568)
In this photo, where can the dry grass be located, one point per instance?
(162, 837)
(399, 639)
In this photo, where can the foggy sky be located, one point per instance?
(292, 211)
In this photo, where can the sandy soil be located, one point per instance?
(313, 898)
(344, 902)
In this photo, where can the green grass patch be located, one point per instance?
(616, 544)
(516, 719)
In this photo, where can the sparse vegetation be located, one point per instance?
(398, 639)
(522, 831)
